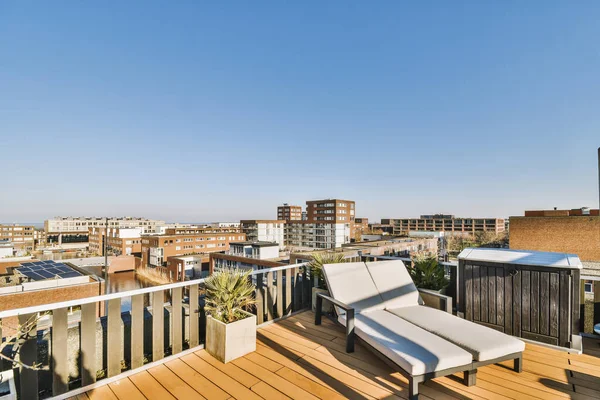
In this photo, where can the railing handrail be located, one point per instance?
(111, 296)
(408, 259)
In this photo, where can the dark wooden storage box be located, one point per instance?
(531, 295)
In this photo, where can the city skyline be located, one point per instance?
(187, 112)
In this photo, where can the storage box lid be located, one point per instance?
(522, 257)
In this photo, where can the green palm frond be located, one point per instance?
(316, 265)
(227, 292)
(427, 273)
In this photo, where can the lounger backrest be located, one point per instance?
(351, 283)
(394, 283)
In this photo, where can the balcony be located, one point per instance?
(163, 357)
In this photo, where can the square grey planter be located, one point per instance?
(226, 342)
(8, 384)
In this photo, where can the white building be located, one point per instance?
(256, 250)
(264, 231)
(316, 235)
(83, 224)
(225, 224)
(6, 249)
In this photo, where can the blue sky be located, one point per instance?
(198, 111)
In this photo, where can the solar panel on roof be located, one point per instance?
(26, 264)
(70, 275)
(59, 265)
(54, 271)
(49, 261)
(34, 276)
(45, 274)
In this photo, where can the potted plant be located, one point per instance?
(230, 328)
(427, 273)
(316, 271)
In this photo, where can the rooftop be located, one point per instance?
(255, 244)
(296, 359)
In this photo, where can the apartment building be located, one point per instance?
(156, 249)
(21, 236)
(74, 231)
(361, 227)
(121, 241)
(566, 231)
(247, 255)
(194, 266)
(289, 212)
(445, 223)
(330, 210)
(6, 248)
(316, 235)
(264, 231)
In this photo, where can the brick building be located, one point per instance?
(156, 249)
(445, 223)
(121, 241)
(21, 236)
(566, 231)
(289, 213)
(265, 230)
(361, 226)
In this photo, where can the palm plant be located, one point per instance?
(228, 292)
(427, 273)
(316, 266)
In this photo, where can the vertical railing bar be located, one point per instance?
(28, 355)
(176, 320)
(260, 300)
(158, 325)
(269, 296)
(60, 369)
(137, 331)
(288, 291)
(279, 300)
(194, 316)
(113, 338)
(87, 333)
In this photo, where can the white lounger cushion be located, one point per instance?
(482, 342)
(394, 283)
(415, 350)
(351, 283)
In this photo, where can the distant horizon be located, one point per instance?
(204, 111)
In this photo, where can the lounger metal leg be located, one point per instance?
(350, 331)
(319, 306)
(413, 389)
(518, 364)
(470, 378)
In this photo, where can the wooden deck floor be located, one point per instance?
(296, 359)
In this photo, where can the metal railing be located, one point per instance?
(110, 342)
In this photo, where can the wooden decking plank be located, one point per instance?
(524, 378)
(304, 329)
(315, 375)
(101, 393)
(351, 380)
(197, 381)
(175, 385)
(230, 369)
(332, 330)
(311, 343)
(264, 361)
(455, 383)
(282, 385)
(267, 392)
(309, 385)
(124, 389)
(290, 343)
(149, 386)
(219, 378)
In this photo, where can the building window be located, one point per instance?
(589, 287)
